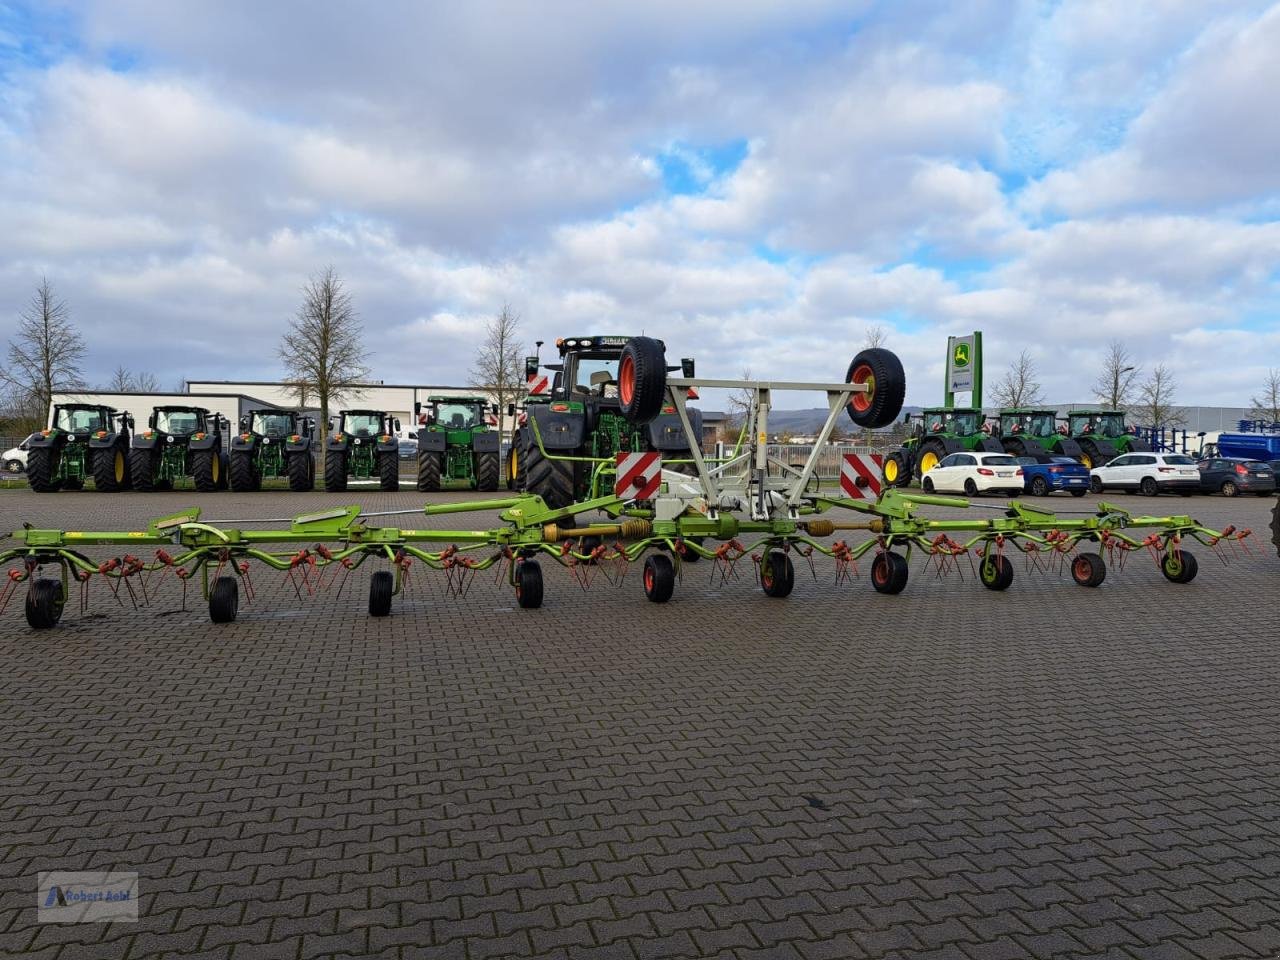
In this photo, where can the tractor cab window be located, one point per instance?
(361, 424)
(1110, 425)
(79, 421)
(596, 375)
(1086, 426)
(180, 423)
(272, 424)
(1042, 425)
(963, 423)
(458, 416)
(1016, 423)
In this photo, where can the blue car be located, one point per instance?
(1044, 474)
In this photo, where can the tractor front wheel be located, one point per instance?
(206, 470)
(335, 471)
(224, 600)
(487, 472)
(528, 584)
(381, 587)
(1088, 569)
(931, 451)
(550, 479)
(996, 572)
(142, 466)
(659, 577)
(889, 572)
(301, 469)
(897, 470)
(389, 470)
(242, 472)
(44, 604)
(777, 575)
(428, 471)
(40, 468)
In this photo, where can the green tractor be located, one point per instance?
(1035, 433)
(273, 444)
(565, 442)
(83, 441)
(1102, 436)
(457, 445)
(935, 434)
(362, 445)
(179, 442)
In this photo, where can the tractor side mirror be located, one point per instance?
(244, 422)
(417, 408)
(511, 409)
(687, 367)
(530, 366)
(331, 423)
(396, 421)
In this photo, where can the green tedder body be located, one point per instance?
(935, 434)
(457, 445)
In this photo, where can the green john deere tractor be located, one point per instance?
(565, 442)
(457, 445)
(1033, 433)
(934, 434)
(179, 442)
(362, 445)
(1103, 436)
(273, 444)
(83, 441)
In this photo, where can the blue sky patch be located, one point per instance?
(688, 169)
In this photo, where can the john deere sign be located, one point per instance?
(964, 368)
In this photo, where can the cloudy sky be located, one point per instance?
(755, 182)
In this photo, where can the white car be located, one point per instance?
(975, 472)
(1147, 473)
(15, 458)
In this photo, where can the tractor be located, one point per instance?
(82, 441)
(362, 444)
(273, 444)
(179, 442)
(1035, 433)
(935, 434)
(1103, 436)
(457, 444)
(567, 442)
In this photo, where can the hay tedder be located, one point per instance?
(747, 511)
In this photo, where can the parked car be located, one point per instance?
(1044, 474)
(974, 473)
(1148, 473)
(1233, 475)
(15, 458)
(409, 447)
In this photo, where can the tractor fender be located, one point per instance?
(1069, 448)
(38, 439)
(382, 446)
(558, 430)
(140, 441)
(103, 443)
(1135, 445)
(989, 445)
(301, 445)
(210, 441)
(337, 446)
(1106, 450)
(950, 446)
(487, 441)
(432, 441)
(238, 442)
(666, 432)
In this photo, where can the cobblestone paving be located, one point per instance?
(950, 773)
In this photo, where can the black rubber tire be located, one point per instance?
(105, 478)
(1148, 487)
(528, 584)
(995, 571)
(1229, 488)
(1095, 457)
(143, 470)
(926, 485)
(1095, 485)
(1275, 527)
(430, 467)
(970, 488)
(588, 544)
(510, 468)
(1138, 445)
(1088, 569)
(40, 470)
(1183, 569)
(487, 472)
(659, 577)
(224, 473)
(242, 472)
(1039, 487)
(552, 480)
(882, 406)
(381, 586)
(300, 470)
(335, 471)
(389, 470)
(690, 556)
(889, 572)
(903, 476)
(224, 600)
(642, 379)
(44, 603)
(1078, 493)
(937, 447)
(777, 574)
(206, 470)
(14, 466)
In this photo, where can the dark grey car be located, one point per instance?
(1231, 476)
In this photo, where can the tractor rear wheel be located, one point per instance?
(242, 472)
(511, 467)
(1090, 455)
(389, 470)
(552, 480)
(224, 600)
(110, 469)
(642, 379)
(487, 471)
(429, 471)
(1088, 569)
(335, 471)
(777, 575)
(142, 466)
(206, 470)
(889, 572)
(40, 470)
(44, 604)
(301, 470)
(528, 584)
(381, 586)
(881, 370)
(1180, 567)
(659, 577)
(995, 571)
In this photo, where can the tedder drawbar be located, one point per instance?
(747, 506)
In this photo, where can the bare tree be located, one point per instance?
(44, 354)
(876, 336)
(1267, 406)
(123, 380)
(1116, 384)
(1019, 388)
(1156, 394)
(323, 350)
(499, 363)
(740, 403)
(146, 382)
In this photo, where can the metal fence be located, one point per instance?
(797, 455)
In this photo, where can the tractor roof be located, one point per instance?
(84, 406)
(272, 410)
(1092, 412)
(179, 409)
(929, 410)
(364, 413)
(597, 343)
(457, 399)
(1031, 410)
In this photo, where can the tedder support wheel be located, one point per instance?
(389, 470)
(40, 470)
(1179, 567)
(110, 469)
(300, 467)
(881, 371)
(777, 575)
(889, 572)
(691, 556)
(335, 471)
(642, 379)
(659, 577)
(487, 472)
(224, 600)
(381, 586)
(428, 472)
(529, 584)
(206, 470)
(995, 571)
(44, 604)
(1088, 569)
(142, 467)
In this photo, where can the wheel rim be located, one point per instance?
(864, 375)
(119, 467)
(626, 379)
(880, 570)
(928, 461)
(891, 470)
(1173, 564)
(766, 575)
(1087, 461)
(1228, 489)
(1082, 568)
(648, 578)
(215, 467)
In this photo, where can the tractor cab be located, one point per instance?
(83, 419)
(1105, 424)
(179, 421)
(83, 441)
(274, 424)
(367, 423)
(1035, 424)
(958, 422)
(457, 413)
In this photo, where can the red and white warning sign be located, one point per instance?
(860, 475)
(639, 476)
(538, 383)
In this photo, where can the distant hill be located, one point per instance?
(810, 421)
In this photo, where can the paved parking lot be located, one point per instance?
(950, 773)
